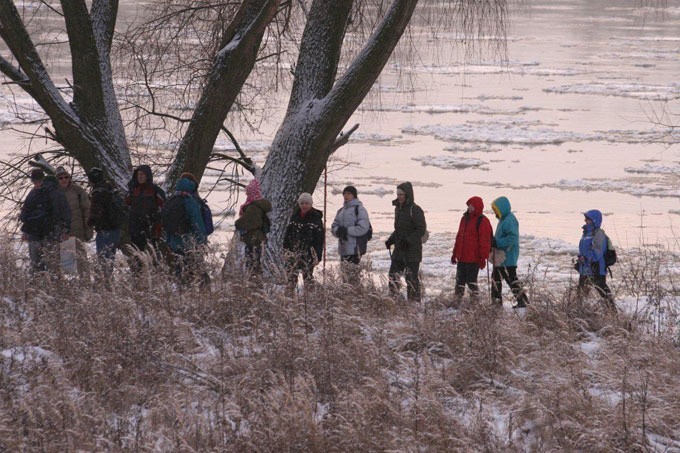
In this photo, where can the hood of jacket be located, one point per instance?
(149, 176)
(311, 214)
(478, 205)
(501, 207)
(185, 185)
(595, 216)
(407, 187)
(50, 183)
(263, 204)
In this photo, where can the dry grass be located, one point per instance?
(150, 366)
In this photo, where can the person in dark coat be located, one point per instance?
(409, 229)
(472, 248)
(253, 224)
(187, 246)
(146, 201)
(591, 263)
(303, 241)
(46, 219)
(103, 219)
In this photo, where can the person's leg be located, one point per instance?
(349, 268)
(604, 291)
(81, 259)
(394, 276)
(583, 287)
(516, 286)
(253, 253)
(412, 281)
(35, 253)
(497, 276)
(460, 280)
(471, 273)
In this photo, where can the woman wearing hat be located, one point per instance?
(303, 241)
(79, 202)
(350, 222)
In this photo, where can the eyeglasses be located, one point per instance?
(64, 177)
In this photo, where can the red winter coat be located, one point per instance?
(473, 245)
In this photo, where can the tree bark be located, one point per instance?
(318, 110)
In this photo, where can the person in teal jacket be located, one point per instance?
(506, 241)
(190, 234)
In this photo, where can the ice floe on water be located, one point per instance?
(513, 67)
(500, 132)
(471, 148)
(448, 108)
(630, 90)
(451, 162)
(19, 110)
(655, 169)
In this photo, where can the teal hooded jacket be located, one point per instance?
(507, 231)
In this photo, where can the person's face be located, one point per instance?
(141, 177)
(36, 183)
(305, 206)
(64, 180)
(471, 208)
(347, 196)
(401, 196)
(587, 221)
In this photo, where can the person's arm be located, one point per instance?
(509, 234)
(485, 235)
(419, 225)
(598, 247)
(336, 223)
(196, 220)
(251, 219)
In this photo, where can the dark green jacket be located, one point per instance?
(251, 222)
(409, 225)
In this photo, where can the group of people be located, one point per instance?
(57, 208)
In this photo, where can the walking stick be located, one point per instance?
(488, 273)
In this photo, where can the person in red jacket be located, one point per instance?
(472, 247)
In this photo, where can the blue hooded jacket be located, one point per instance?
(179, 243)
(593, 245)
(507, 231)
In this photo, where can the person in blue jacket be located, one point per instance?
(506, 242)
(591, 264)
(187, 234)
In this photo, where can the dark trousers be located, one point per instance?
(410, 271)
(600, 284)
(253, 254)
(349, 268)
(466, 274)
(509, 274)
(297, 266)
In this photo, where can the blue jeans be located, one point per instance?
(107, 242)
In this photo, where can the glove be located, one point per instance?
(482, 263)
(453, 259)
(403, 244)
(389, 243)
(341, 232)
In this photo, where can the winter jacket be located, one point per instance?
(409, 226)
(101, 199)
(251, 222)
(60, 221)
(592, 246)
(507, 231)
(357, 225)
(145, 201)
(180, 243)
(79, 203)
(304, 236)
(472, 244)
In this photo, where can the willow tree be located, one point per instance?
(205, 54)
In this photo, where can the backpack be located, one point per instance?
(39, 216)
(610, 257)
(266, 224)
(206, 213)
(362, 241)
(426, 234)
(174, 216)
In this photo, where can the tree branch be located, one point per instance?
(342, 139)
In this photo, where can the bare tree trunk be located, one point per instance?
(318, 110)
(90, 127)
(231, 68)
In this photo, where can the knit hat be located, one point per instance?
(190, 177)
(305, 197)
(95, 175)
(350, 189)
(37, 174)
(61, 171)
